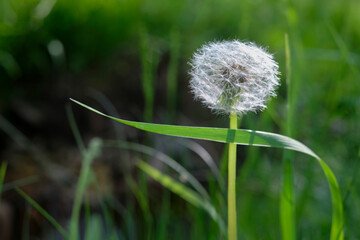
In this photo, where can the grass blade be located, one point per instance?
(164, 218)
(182, 191)
(42, 211)
(206, 157)
(149, 63)
(238, 136)
(142, 198)
(75, 129)
(251, 138)
(163, 158)
(176, 187)
(110, 228)
(2, 176)
(337, 232)
(83, 182)
(95, 229)
(287, 213)
(172, 81)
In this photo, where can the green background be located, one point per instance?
(136, 53)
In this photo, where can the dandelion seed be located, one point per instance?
(233, 77)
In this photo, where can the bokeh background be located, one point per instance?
(130, 58)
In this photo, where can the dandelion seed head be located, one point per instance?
(233, 77)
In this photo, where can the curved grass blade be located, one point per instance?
(181, 190)
(337, 232)
(206, 157)
(238, 136)
(163, 158)
(250, 138)
(43, 212)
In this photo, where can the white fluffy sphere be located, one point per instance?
(233, 77)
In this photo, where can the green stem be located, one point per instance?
(232, 226)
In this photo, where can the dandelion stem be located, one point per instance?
(232, 226)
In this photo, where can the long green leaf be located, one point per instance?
(251, 138)
(239, 136)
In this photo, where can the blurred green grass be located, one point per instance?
(51, 50)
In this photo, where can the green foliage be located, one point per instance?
(163, 158)
(182, 191)
(251, 138)
(99, 46)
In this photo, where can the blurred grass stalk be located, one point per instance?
(84, 179)
(172, 79)
(85, 173)
(149, 62)
(109, 230)
(2, 176)
(189, 195)
(141, 194)
(287, 210)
